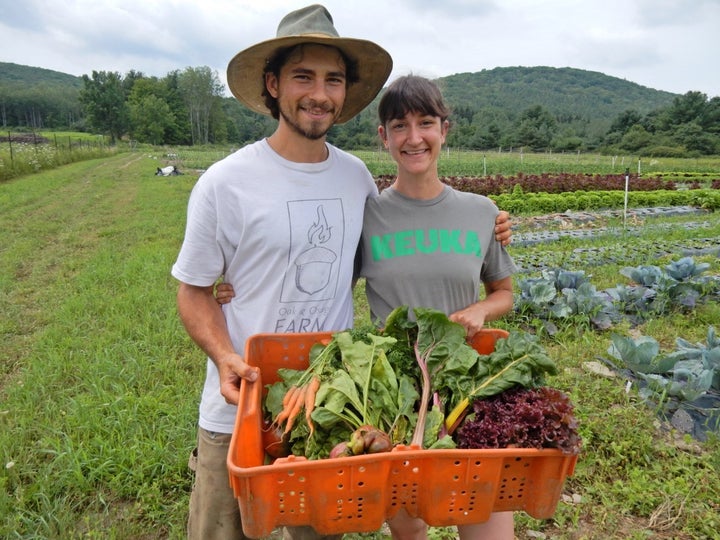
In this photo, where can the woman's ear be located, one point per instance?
(444, 129)
(383, 135)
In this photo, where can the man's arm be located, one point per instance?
(205, 324)
(503, 233)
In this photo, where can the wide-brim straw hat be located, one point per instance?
(312, 24)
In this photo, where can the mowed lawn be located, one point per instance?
(99, 387)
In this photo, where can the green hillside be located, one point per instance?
(565, 92)
(570, 94)
(584, 103)
(17, 75)
(38, 98)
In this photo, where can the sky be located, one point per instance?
(670, 45)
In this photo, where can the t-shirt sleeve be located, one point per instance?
(498, 263)
(200, 261)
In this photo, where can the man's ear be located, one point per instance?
(271, 83)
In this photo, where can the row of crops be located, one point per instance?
(565, 182)
(666, 260)
(545, 193)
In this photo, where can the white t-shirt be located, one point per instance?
(284, 234)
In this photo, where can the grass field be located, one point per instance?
(473, 163)
(99, 384)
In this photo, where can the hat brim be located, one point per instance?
(374, 64)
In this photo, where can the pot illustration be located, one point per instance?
(314, 267)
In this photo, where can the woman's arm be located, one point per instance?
(497, 302)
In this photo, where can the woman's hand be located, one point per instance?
(471, 317)
(497, 302)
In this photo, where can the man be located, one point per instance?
(279, 219)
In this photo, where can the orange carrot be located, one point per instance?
(289, 400)
(286, 398)
(310, 395)
(294, 408)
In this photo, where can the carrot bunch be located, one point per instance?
(296, 398)
(303, 393)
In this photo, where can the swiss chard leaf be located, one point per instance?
(519, 360)
(444, 344)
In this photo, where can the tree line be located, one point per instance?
(688, 127)
(188, 107)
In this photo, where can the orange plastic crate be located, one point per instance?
(357, 494)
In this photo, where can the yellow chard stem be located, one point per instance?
(457, 414)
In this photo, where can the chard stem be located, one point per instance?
(419, 434)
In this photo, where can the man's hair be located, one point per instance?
(411, 93)
(276, 62)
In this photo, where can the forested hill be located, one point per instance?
(565, 92)
(490, 104)
(15, 74)
(568, 93)
(531, 107)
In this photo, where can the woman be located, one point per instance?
(425, 244)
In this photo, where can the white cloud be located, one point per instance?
(668, 45)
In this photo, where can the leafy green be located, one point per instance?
(586, 300)
(685, 268)
(639, 354)
(386, 378)
(646, 275)
(359, 387)
(439, 345)
(458, 373)
(564, 298)
(519, 360)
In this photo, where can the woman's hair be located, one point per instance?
(282, 56)
(412, 93)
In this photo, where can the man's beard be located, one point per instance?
(315, 131)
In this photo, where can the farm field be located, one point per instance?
(475, 163)
(99, 383)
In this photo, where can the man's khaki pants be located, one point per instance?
(214, 511)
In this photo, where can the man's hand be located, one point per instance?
(503, 232)
(205, 324)
(232, 369)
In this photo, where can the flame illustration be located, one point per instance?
(319, 232)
